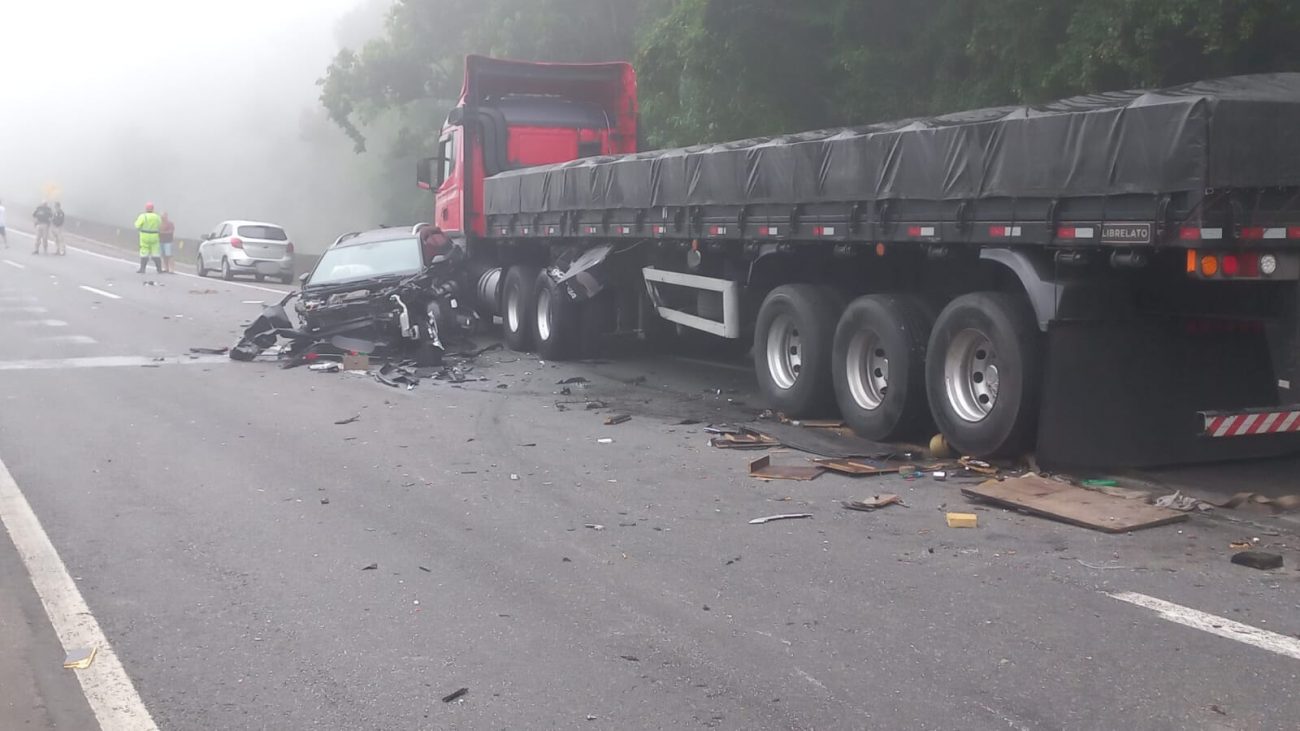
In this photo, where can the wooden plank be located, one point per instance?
(857, 467)
(1074, 505)
(764, 469)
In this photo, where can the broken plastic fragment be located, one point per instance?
(80, 658)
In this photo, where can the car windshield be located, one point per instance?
(366, 261)
(266, 233)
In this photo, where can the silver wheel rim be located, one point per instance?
(544, 314)
(971, 376)
(867, 370)
(784, 352)
(512, 310)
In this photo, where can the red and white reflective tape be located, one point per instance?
(1071, 233)
(1005, 232)
(551, 230)
(769, 231)
(1246, 425)
(1256, 233)
(592, 230)
(661, 230)
(1192, 233)
(625, 230)
(823, 230)
(717, 230)
(921, 231)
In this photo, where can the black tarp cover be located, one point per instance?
(1235, 132)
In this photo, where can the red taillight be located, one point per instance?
(1229, 265)
(1293, 232)
(1189, 233)
(1252, 233)
(1249, 265)
(289, 247)
(237, 243)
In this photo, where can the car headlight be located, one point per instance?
(1268, 265)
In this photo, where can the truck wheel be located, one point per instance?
(983, 374)
(518, 306)
(556, 320)
(878, 366)
(792, 349)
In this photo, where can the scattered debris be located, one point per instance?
(1075, 505)
(425, 569)
(455, 695)
(786, 516)
(687, 422)
(1241, 545)
(819, 423)
(963, 520)
(856, 467)
(1258, 560)
(618, 419)
(635, 381)
(324, 501)
(977, 466)
(1101, 568)
(740, 439)
(349, 420)
(630, 658)
(1278, 504)
(480, 351)
(207, 291)
(594, 526)
(210, 351)
(356, 362)
(834, 443)
(1101, 483)
(764, 469)
(734, 560)
(572, 381)
(939, 475)
(80, 658)
(329, 367)
(1176, 501)
(371, 567)
(514, 477)
(606, 440)
(873, 503)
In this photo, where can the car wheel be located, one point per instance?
(226, 274)
(286, 279)
(519, 306)
(556, 320)
(983, 374)
(199, 268)
(260, 277)
(792, 349)
(878, 366)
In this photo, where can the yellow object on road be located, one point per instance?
(963, 520)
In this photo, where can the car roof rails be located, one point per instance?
(345, 237)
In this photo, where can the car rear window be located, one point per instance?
(267, 233)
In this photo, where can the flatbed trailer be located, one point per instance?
(1110, 279)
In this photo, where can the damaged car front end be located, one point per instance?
(375, 293)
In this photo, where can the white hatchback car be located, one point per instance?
(247, 247)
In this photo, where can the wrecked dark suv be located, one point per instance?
(378, 292)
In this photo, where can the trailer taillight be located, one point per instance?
(1209, 266)
(1230, 265)
(1237, 265)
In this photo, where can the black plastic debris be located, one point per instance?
(572, 381)
(349, 420)
(1258, 560)
(455, 695)
(210, 351)
(371, 567)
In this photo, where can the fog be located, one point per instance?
(208, 109)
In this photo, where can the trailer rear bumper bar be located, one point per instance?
(1251, 422)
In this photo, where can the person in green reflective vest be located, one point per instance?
(149, 224)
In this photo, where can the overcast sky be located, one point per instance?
(194, 103)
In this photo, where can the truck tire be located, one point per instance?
(556, 322)
(518, 306)
(878, 366)
(984, 374)
(792, 350)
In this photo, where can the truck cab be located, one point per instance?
(515, 114)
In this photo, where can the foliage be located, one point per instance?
(713, 70)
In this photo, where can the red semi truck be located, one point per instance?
(1110, 280)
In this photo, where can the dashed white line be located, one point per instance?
(111, 695)
(41, 323)
(106, 361)
(1215, 625)
(70, 339)
(25, 309)
(15, 264)
(101, 292)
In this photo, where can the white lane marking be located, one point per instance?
(1263, 639)
(15, 264)
(101, 292)
(72, 339)
(112, 697)
(106, 361)
(25, 309)
(41, 323)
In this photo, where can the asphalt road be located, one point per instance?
(218, 524)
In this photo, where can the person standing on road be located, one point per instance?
(42, 217)
(166, 239)
(149, 224)
(3, 236)
(56, 227)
